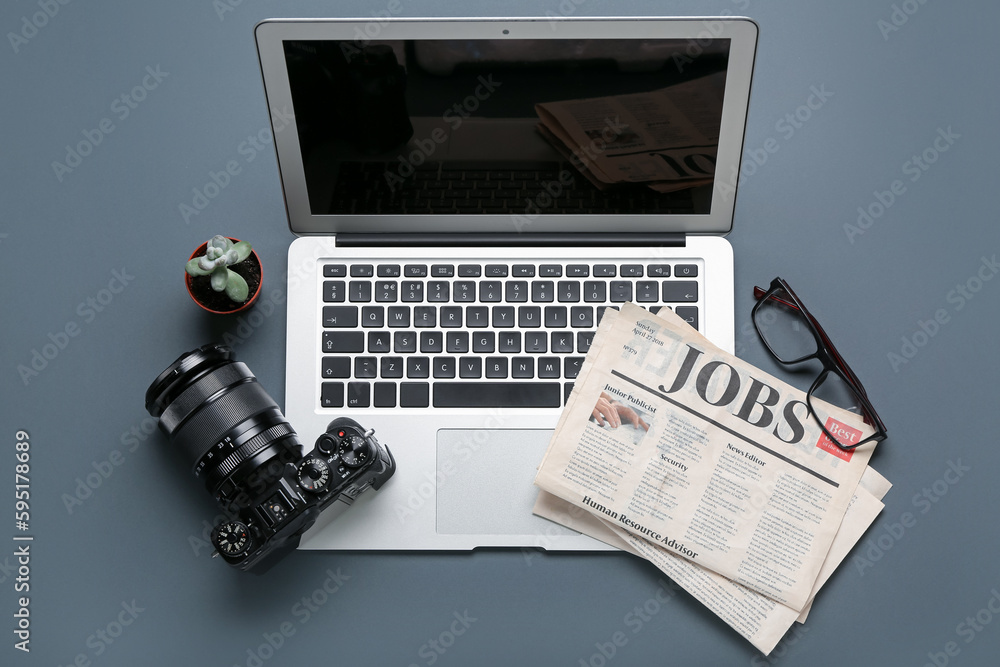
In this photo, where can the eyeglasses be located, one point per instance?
(792, 335)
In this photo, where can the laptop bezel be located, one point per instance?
(741, 31)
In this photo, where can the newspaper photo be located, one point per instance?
(704, 455)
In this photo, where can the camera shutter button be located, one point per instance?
(314, 475)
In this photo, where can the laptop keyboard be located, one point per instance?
(454, 335)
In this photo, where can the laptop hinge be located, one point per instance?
(545, 240)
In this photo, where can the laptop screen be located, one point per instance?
(518, 127)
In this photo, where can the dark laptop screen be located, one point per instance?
(507, 126)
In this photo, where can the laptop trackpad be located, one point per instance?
(485, 482)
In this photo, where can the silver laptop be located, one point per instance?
(471, 196)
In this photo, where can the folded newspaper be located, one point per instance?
(711, 469)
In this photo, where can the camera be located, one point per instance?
(213, 409)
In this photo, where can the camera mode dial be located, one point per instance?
(314, 475)
(231, 538)
(355, 451)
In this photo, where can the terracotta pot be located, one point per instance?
(237, 308)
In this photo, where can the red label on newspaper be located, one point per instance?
(844, 434)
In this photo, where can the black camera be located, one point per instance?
(251, 459)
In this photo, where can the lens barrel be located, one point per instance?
(221, 418)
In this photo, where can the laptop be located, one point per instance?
(470, 196)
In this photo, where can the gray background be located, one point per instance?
(131, 539)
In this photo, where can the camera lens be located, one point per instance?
(215, 411)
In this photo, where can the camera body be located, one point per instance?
(214, 411)
(346, 461)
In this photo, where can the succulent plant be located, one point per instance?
(220, 254)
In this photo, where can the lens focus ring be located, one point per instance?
(194, 396)
(251, 447)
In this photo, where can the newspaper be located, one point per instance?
(760, 620)
(667, 138)
(710, 458)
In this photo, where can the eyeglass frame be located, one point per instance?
(827, 355)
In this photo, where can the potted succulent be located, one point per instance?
(223, 275)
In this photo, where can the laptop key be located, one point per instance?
(550, 270)
(490, 291)
(581, 316)
(496, 367)
(631, 270)
(399, 316)
(522, 368)
(333, 291)
(415, 271)
(509, 342)
(388, 271)
(437, 291)
(469, 270)
(503, 317)
(425, 316)
(362, 271)
(386, 291)
(562, 341)
(477, 316)
(483, 342)
(680, 290)
(523, 270)
(418, 367)
(444, 367)
(658, 270)
(358, 394)
(516, 291)
(568, 291)
(372, 316)
(577, 271)
(343, 341)
(647, 291)
(457, 342)
(464, 291)
(529, 317)
(686, 270)
(412, 291)
(548, 367)
(331, 395)
(334, 270)
(621, 291)
(470, 367)
(595, 291)
(431, 341)
(542, 291)
(336, 367)
(571, 367)
(378, 341)
(496, 271)
(414, 395)
(497, 395)
(451, 316)
(340, 316)
(392, 367)
(689, 314)
(384, 395)
(443, 270)
(404, 341)
(535, 341)
(555, 317)
(605, 270)
(584, 339)
(365, 367)
(360, 291)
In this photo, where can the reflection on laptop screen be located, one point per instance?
(486, 126)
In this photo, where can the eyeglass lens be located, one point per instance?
(784, 328)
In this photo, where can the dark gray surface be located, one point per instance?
(130, 542)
